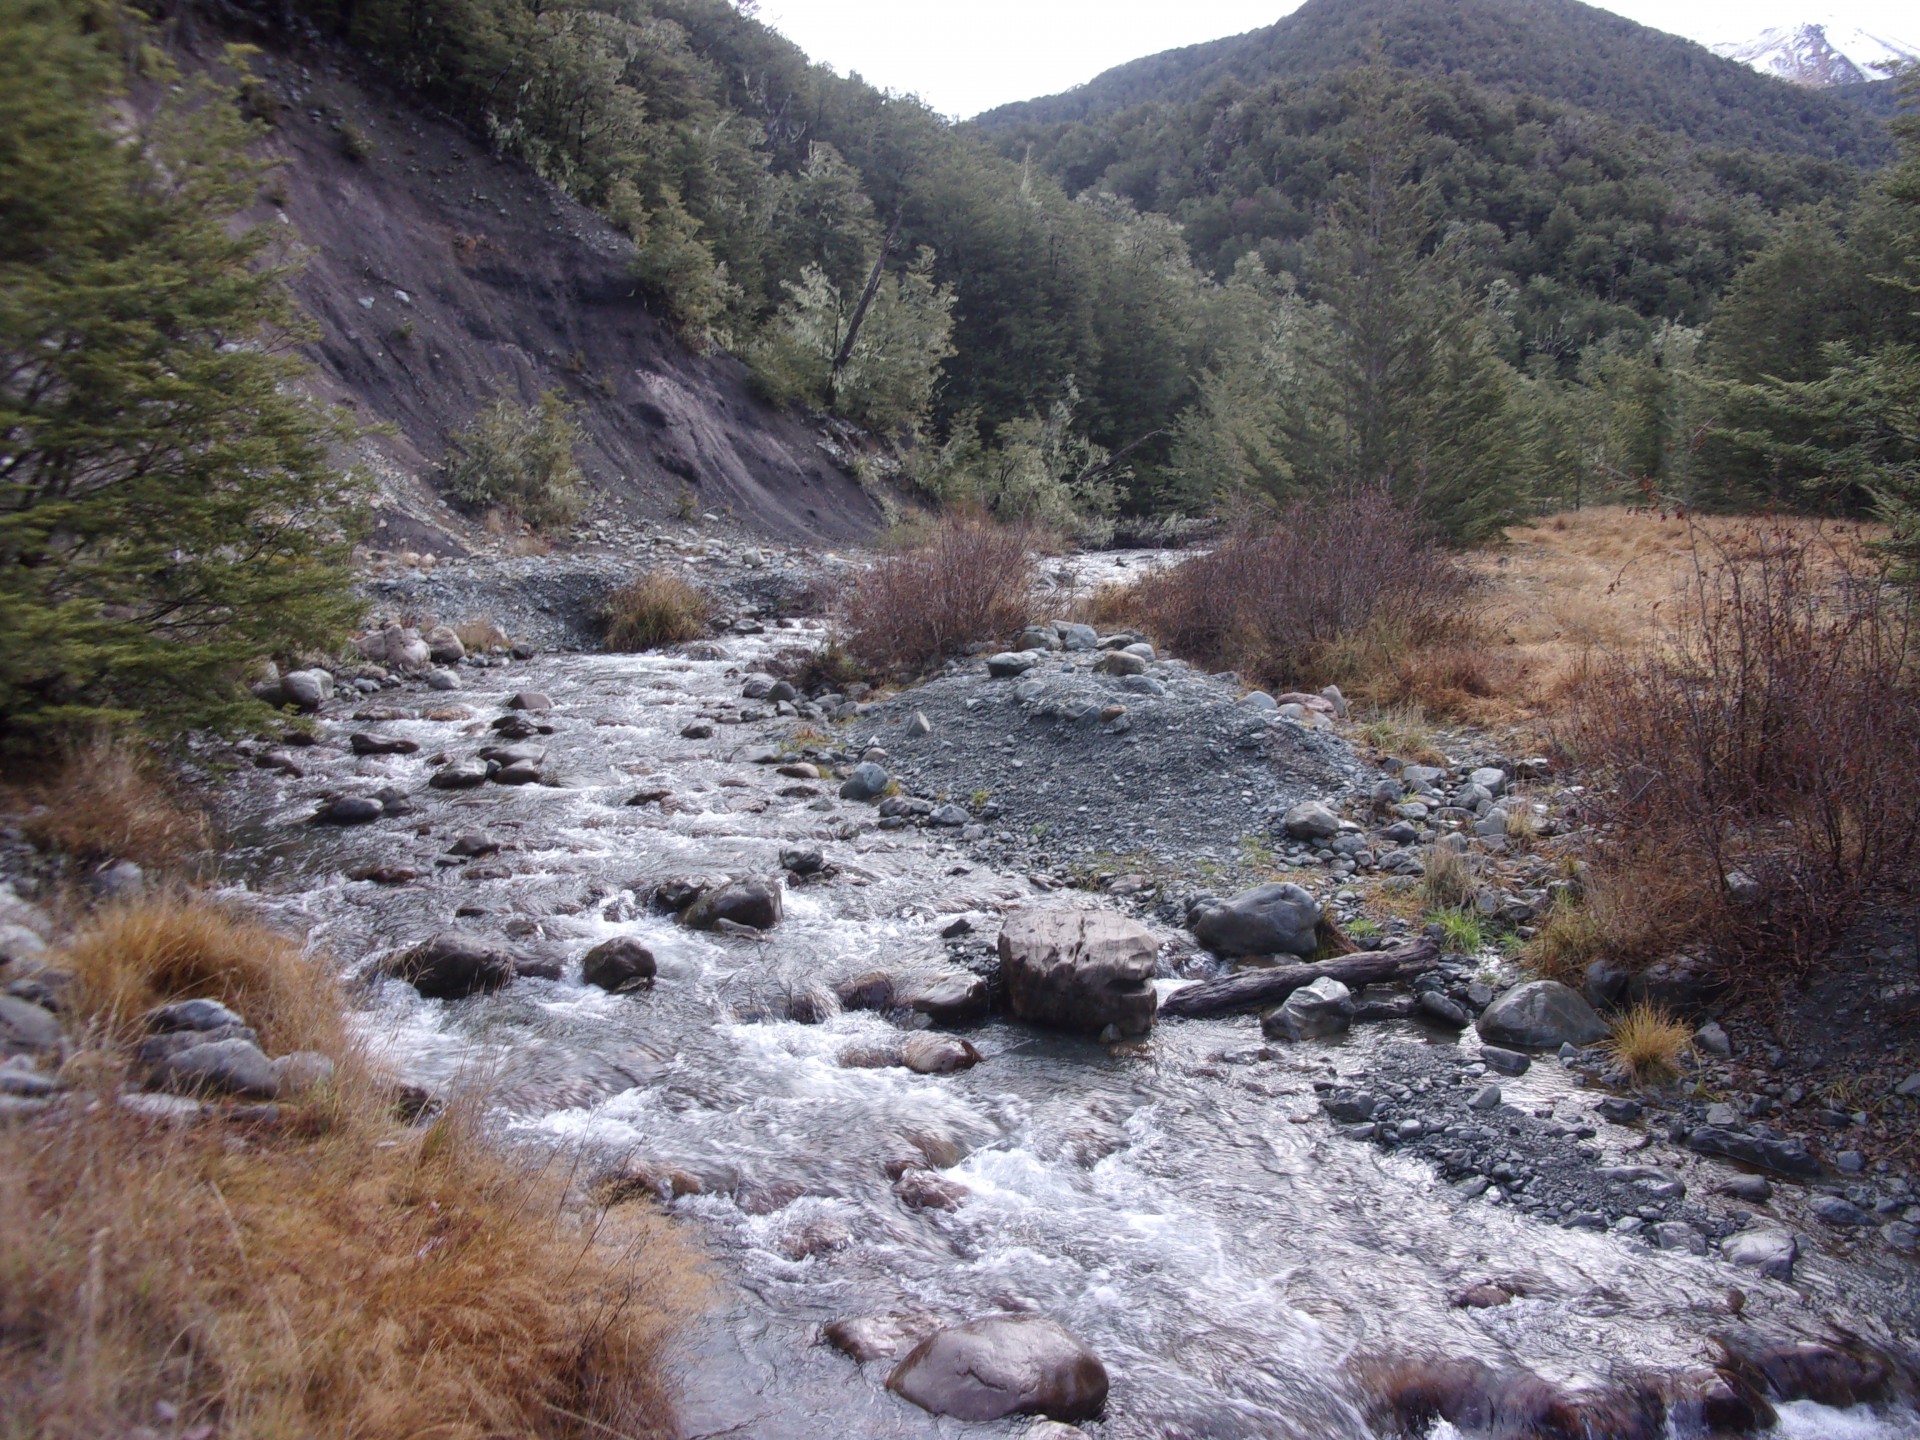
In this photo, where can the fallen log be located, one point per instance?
(1252, 989)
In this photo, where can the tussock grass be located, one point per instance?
(108, 800)
(1402, 732)
(1569, 939)
(1448, 882)
(656, 608)
(1464, 930)
(345, 1276)
(1648, 1044)
(128, 958)
(969, 579)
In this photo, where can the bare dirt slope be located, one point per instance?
(441, 277)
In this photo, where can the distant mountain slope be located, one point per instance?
(1556, 49)
(1820, 54)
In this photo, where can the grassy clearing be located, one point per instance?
(656, 608)
(1649, 1044)
(339, 1274)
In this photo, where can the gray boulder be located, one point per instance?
(621, 963)
(221, 1067)
(1771, 1252)
(1542, 1014)
(453, 965)
(1323, 1008)
(755, 903)
(349, 810)
(1310, 820)
(443, 646)
(459, 775)
(1266, 920)
(1003, 1365)
(1077, 637)
(866, 782)
(306, 689)
(928, 1054)
(1009, 663)
(1120, 662)
(1036, 637)
(26, 1029)
(1079, 970)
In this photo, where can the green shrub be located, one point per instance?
(519, 460)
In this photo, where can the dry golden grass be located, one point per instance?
(1572, 588)
(1448, 883)
(655, 608)
(107, 799)
(128, 958)
(346, 1275)
(1648, 1044)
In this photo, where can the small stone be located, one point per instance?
(438, 679)
(1323, 1008)
(867, 782)
(365, 743)
(919, 724)
(1850, 1162)
(1711, 1038)
(1722, 1114)
(27, 1029)
(1754, 1189)
(1487, 1097)
(1678, 1235)
(459, 775)
(300, 1073)
(1011, 663)
(698, 730)
(196, 1014)
(1836, 1211)
(1771, 1252)
(802, 859)
(1507, 1062)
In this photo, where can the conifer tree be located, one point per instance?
(167, 510)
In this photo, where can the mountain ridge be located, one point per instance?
(1820, 54)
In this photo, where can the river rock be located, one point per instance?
(924, 1190)
(1323, 1008)
(1037, 637)
(866, 782)
(754, 902)
(459, 775)
(1771, 1252)
(26, 1029)
(1507, 1062)
(530, 700)
(349, 810)
(926, 1054)
(1266, 920)
(453, 965)
(1079, 970)
(306, 689)
(802, 859)
(223, 1067)
(621, 963)
(1539, 1015)
(878, 1337)
(1783, 1157)
(953, 997)
(366, 743)
(1310, 820)
(444, 647)
(1120, 662)
(1003, 1365)
(195, 1014)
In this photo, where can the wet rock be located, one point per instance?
(1751, 1188)
(878, 1337)
(1435, 1005)
(1785, 1371)
(1323, 1008)
(26, 1028)
(1484, 1296)
(952, 997)
(282, 761)
(1347, 1106)
(441, 680)
(950, 816)
(1003, 1365)
(698, 730)
(1079, 970)
(1507, 1062)
(1487, 1097)
(349, 810)
(926, 1054)
(221, 1067)
(1781, 1156)
(365, 743)
(1677, 1235)
(453, 965)
(818, 1236)
(755, 903)
(1838, 1211)
(530, 700)
(1618, 1109)
(619, 964)
(866, 782)
(460, 775)
(1541, 1014)
(518, 772)
(536, 967)
(802, 859)
(1771, 1252)
(1266, 920)
(924, 1190)
(473, 844)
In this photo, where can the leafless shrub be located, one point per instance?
(1332, 586)
(970, 579)
(1774, 739)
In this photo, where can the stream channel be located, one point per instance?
(1181, 1204)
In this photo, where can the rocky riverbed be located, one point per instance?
(654, 913)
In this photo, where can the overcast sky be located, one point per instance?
(966, 58)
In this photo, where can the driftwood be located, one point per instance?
(1251, 989)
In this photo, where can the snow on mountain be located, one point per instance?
(1819, 53)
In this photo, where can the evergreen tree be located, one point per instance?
(167, 512)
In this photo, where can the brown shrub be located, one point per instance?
(108, 800)
(346, 1276)
(1335, 588)
(970, 579)
(1776, 734)
(655, 608)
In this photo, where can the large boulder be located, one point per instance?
(1266, 920)
(755, 903)
(1323, 1008)
(866, 782)
(1541, 1015)
(1079, 970)
(1310, 820)
(621, 963)
(221, 1067)
(1003, 1365)
(306, 689)
(444, 646)
(453, 965)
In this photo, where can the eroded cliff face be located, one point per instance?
(441, 277)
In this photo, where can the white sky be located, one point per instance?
(963, 59)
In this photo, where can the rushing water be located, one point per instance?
(1192, 1217)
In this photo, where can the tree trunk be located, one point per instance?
(860, 310)
(1252, 989)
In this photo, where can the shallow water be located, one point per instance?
(1193, 1218)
